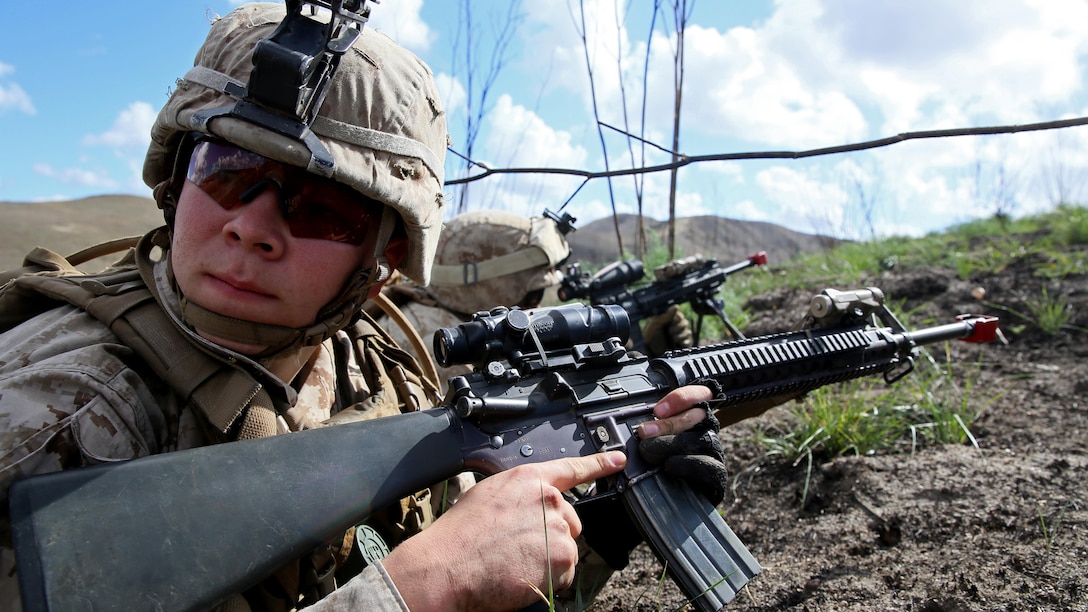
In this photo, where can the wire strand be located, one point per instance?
(684, 160)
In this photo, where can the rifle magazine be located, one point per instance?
(687, 533)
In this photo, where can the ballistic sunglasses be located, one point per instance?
(313, 206)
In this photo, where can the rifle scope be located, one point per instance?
(614, 275)
(508, 334)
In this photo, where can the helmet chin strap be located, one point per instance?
(275, 338)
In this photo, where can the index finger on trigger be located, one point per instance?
(681, 399)
(565, 474)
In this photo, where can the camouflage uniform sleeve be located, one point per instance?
(67, 399)
(372, 589)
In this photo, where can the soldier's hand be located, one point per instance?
(684, 439)
(512, 531)
(667, 331)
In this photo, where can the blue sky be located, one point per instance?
(79, 88)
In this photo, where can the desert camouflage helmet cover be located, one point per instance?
(490, 258)
(381, 120)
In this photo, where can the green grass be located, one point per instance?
(1049, 313)
(941, 400)
(986, 245)
(1049, 525)
(866, 416)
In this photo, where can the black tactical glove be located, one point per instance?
(694, 456)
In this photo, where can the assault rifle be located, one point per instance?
(184, 530)
(694, 280)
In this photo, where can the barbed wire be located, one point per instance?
(685, 160)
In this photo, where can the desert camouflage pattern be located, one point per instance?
(481, 235)
(667, 331)
(72, 395)
(426, 318)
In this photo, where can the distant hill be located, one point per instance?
(728, 240)
(69, 226)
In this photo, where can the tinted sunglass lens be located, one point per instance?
(313, 207)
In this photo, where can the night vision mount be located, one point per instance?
(292, 69)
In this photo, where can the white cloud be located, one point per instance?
(518, 137)
(557, 49)
(804, 201)
(452, 94)
(528, 140)
(933, 63)
(76, 176)
(735, 83)
(911, 67)
(738, 87)
(591, 210)
(655, 197)
(400, 21)
(132, 128)
(731, 169)
(12, 96)
(819, 73)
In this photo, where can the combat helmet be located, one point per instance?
(489, 258)
(376, 125)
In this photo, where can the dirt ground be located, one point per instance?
(1003, 526)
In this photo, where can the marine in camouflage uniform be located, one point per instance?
(485, 258)
(158, 354)
(72, 393)
(489, 258)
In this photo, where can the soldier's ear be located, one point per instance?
(395, 253)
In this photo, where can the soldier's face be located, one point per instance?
(244, 262)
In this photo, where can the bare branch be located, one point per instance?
(638, 138)
(597, 117)
(847, 148)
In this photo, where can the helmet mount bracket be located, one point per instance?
(292, 69)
